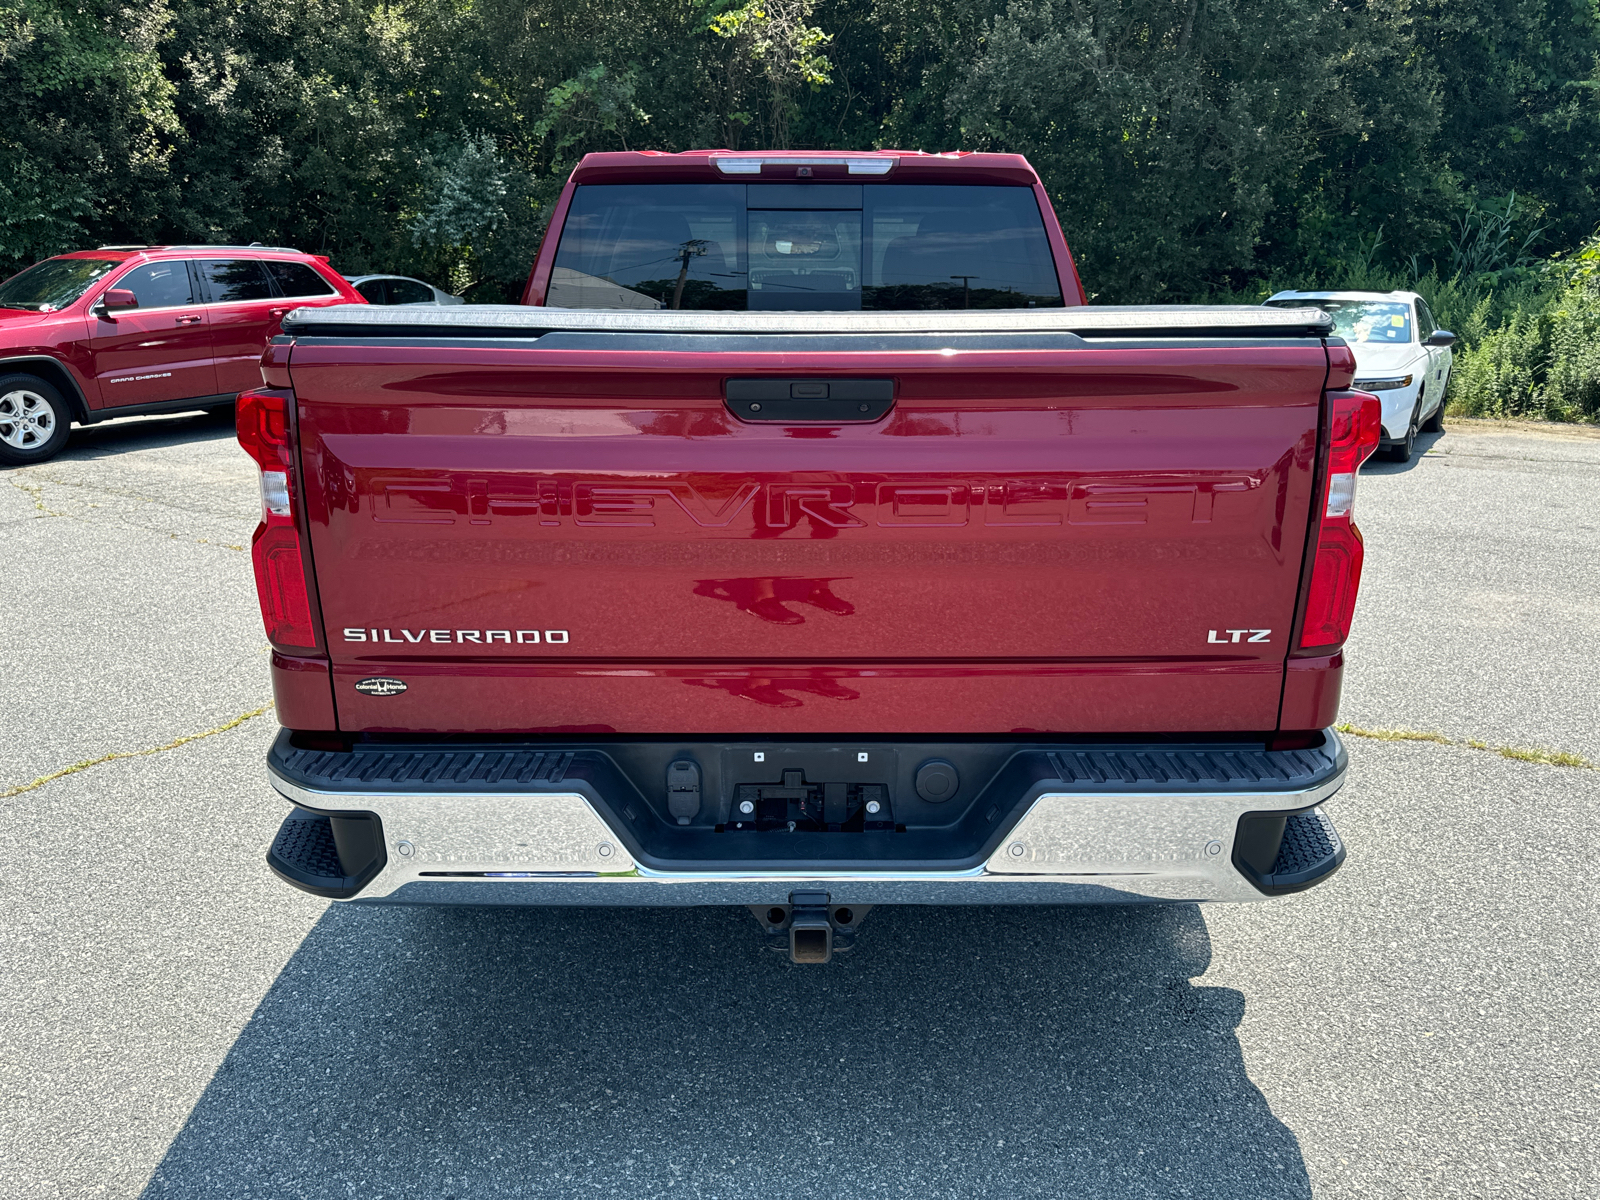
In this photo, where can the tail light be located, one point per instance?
(263, 422)
(1357, 425)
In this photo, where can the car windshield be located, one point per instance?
(54, 283)
(1361, 321)
(787, 246)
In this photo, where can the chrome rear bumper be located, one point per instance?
(555, 848)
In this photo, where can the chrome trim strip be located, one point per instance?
(555, 848)
(637, 893)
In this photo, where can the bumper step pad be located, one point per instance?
(1310, 842)
(306, 853)
(305, 844)
(1310, 851)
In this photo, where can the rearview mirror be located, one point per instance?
(1441, 337)
(114, 299)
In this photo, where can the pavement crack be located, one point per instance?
(1550, 758)
(148, 750)
(35, 492)
(122, 493)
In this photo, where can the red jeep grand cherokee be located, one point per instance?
(142, 329)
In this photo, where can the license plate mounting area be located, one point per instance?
(826, 789)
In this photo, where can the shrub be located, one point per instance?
(1541, 359)
(1499, 377)
(1573, 375)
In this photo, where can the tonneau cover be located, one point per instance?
(508, 320)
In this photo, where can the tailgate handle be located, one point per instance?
(790, 400)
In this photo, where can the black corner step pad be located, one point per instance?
(1311, 850)
(304, 854)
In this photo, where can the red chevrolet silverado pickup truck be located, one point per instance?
(804, 541)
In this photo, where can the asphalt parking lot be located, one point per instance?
(178, 1024)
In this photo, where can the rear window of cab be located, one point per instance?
(807, 247)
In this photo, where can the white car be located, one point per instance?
(1402, 357)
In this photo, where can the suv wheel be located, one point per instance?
(34, 420)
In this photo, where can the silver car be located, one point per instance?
(399, 289)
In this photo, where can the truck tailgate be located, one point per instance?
(1077, 521)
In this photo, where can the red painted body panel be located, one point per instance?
(1066, 268)
(697, 166)
(1341, 367)
(147, 357)
(1095, 540)
(1311, 689)
(544, 260)
(959, 697)
(1040, 540)
(239, 333)
(58, 338)
(302, 692)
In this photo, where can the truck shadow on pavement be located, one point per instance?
(549, 1052)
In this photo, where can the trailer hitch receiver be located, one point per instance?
(810, 927)
(810, 930)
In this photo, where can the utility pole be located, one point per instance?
(966, 288)
(693, 248)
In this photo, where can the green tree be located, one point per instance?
(773, 52)
(1520, 81)
(1192, 147)
(1167, 130)
(296, 117)
(86, 148)
(478, 220)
